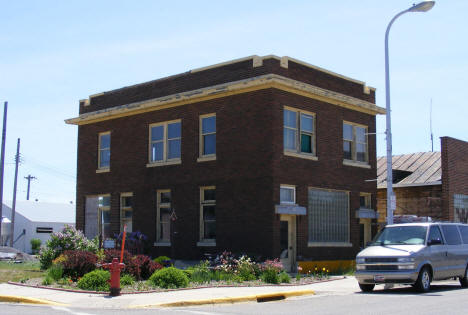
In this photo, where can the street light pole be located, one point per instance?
(420, 7)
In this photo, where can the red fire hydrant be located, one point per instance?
(114, 268)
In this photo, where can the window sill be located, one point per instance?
(171, 162)
(206, 158)
(330, 244)
(356, 164)
(206, 243)
(162, 244)
(102, 170)
(301, 155)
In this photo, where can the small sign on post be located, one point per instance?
(109, 244)
(393, 202)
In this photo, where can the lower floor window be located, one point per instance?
(207, 213)
(97, 217)
(126, 211)
(328, 216)
(163, 216)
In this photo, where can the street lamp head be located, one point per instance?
(422, 6)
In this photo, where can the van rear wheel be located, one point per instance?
(423, 284)
(464, 279)
(366, 287)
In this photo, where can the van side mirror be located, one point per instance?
(434, 242)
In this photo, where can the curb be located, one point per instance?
(274, 296)
(28, 300)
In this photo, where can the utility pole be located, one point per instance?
(29, 178)
(2, 163)
(13, 206)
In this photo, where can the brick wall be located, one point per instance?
(454, 172)
(422, 201)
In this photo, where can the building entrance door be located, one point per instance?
(288, 242)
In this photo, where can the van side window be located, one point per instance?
(451, 234)
(434, 234)
(464, 233)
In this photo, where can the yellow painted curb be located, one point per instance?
(27, 300)
(248, 298)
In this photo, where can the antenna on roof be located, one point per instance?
(430, 122)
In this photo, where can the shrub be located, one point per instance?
(47, 280)
(142, 267)
(109, 254)
(35, 245)
(68, 239)
(127, 279)
(135, 242)
(96, 280)
(169, 277)
(284, 277)
(201, 273)
(270, 276)
(163, 260)
(245, 268)
(55, 272)
(77, 263)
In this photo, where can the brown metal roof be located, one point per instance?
(425, 168)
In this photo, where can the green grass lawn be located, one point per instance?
(16, 272)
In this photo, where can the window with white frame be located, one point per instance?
(163, 216)
(104, 150)
(299, 131)
(328, 212)
(104, 216)
(355, 142)
(287, 194)
(208, 135)
(208, 214)
(165, 142)
(126, 211)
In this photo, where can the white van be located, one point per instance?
(415, 254)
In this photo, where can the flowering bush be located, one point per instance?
(274, 265)
(225, 262)
(68, 239)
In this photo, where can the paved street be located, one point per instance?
(445, 298)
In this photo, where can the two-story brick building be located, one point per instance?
(263, 155)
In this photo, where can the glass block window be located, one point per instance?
(328, 217)
(165, 141)
(163, 216)
(126, 211)
(104, 150)
(355, 142)
(208, 135)
(298, 131)
(208, 213)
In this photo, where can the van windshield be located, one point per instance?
(401, 235)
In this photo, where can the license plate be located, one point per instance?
(379, 278)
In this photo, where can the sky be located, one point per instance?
(54, 53)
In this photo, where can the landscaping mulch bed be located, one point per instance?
(144, 287)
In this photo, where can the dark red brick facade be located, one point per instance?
(249, 168)
(454, 172)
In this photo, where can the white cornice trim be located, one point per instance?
(223, 90)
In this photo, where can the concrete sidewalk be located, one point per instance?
(20, 294)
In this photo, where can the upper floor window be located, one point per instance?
(355, 142)
(208, 135)
(299, 131)
(165, 142)
(287, 194)
(126, 211)
(104, 150)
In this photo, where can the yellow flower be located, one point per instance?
(327, 270)
(323, 269)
